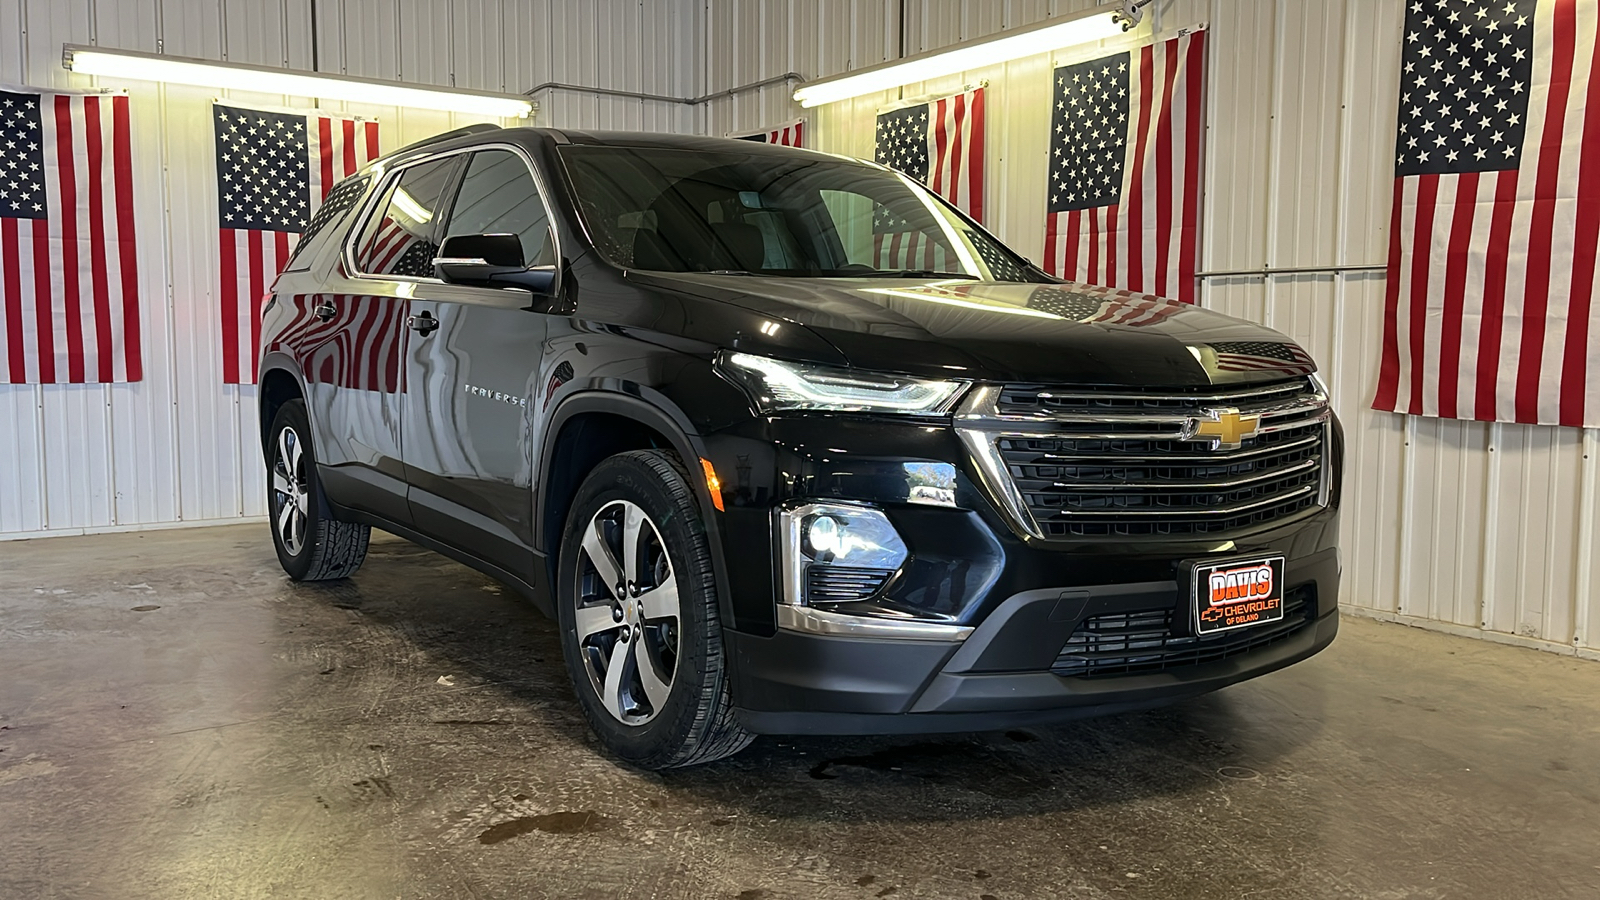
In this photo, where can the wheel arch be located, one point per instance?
(592, 424)
(278, 385)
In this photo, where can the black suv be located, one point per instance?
(787, 444)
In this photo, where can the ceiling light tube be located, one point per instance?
(1000, 48)
(265, 80)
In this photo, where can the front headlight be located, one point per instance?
(774, 385)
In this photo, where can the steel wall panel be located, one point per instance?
(1477, 528)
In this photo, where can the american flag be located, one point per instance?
(1124, 192)
(362, 347)
(939, 143)
(1495, 229)
(791, 134)
(1262, 356)
(273, 170)
(1091, 303)
(69, 280)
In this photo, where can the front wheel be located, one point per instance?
(311, 545)
(637, 607)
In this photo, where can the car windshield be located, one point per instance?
(799, 215)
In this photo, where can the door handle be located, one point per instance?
(423, 323)
(325, 310)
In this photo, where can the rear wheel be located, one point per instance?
(638, 612)
(311, 544)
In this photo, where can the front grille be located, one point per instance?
(1136, 643)
(842, 584)
(1114, 463)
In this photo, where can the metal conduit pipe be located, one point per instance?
(663, 98)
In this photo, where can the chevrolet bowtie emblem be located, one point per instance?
(1226, 428)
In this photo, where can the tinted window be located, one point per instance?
(335, 208)
(498, 196)
(771, 213)
(398, 240)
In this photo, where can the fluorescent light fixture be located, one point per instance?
(408, 204)
(1003, 47)
(265, 80)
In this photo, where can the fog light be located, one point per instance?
(822, 537)
(837, 552)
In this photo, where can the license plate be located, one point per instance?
(1237, 594)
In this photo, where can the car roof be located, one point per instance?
(473, 135)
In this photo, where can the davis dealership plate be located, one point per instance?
(1237, 594)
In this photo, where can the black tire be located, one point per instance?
(313, 546)
(695, 723)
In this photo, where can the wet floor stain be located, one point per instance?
(1022, 737)
(147, 607)
(969, 765)
(564, 822)
(865, 880)
(752, 894)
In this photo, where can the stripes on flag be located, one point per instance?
(1125, 169)
(939, 143)
(1495, 229)
(362, 346)
(791, 134)
(69, 285)
(1095, 304)
(274, 169)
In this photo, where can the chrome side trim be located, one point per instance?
(817, 621)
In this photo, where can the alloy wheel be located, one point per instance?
(627, 613)
(291, 494)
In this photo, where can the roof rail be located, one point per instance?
(479, 128)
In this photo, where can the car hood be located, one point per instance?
(1048, 333)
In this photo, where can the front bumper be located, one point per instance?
(999, 677)
(1021, 598)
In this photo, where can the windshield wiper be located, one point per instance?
(917, 273)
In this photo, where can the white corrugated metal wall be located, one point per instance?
(1481, 529)
(1486, 529)
(177, 447)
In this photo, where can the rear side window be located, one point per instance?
(498, 196)
(398, 239)
(331, 215)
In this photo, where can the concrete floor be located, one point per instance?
(177, 720)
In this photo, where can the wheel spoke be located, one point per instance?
(594, 546)
(285, 453)
(294, 457)
(632, 523)
(660, 603)
(654, 687)
(285, 524)
(281, 484)
(592, 620)
(616, 668)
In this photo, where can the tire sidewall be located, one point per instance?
(629, 477)
(293, 415)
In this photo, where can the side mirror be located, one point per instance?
(490, 260)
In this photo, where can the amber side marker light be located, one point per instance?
(713, 483)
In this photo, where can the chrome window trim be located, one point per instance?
(388, 173)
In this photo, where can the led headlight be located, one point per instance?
(837, 552)
(774, 385)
